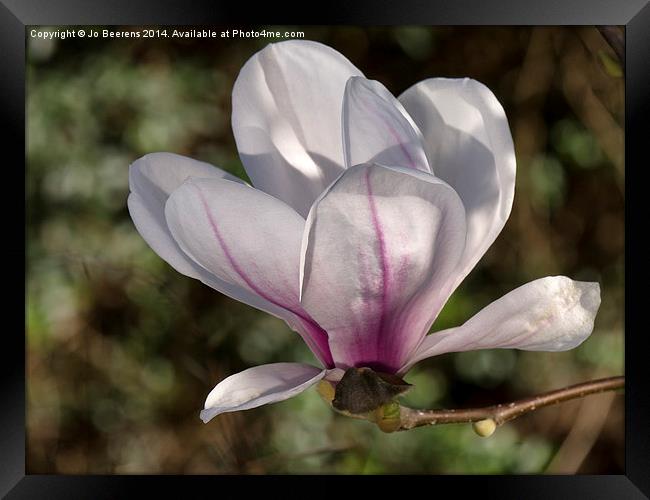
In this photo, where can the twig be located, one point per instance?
(499, 414)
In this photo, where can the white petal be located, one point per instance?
(469, 146)
(376, 128)
(548, 314)
(249, 240)
(286, 119)
(151, 179)
(258, 386)
(378, 252)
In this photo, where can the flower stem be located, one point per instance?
(501, 413)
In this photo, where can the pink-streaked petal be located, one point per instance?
(151, 179)
(378, 250)
(469, 145)
(259, 386)
(286, 119)
(377, 128)
(249, 240)
(549, 314)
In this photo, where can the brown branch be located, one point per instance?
(488, 418)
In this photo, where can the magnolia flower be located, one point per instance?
(365, 214)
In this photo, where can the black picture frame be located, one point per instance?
(15, 15)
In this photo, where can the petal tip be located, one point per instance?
(208, 414)
(148, 157)
(590, 298)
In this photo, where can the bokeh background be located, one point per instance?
(122, 350)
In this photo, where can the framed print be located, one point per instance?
(381, 242)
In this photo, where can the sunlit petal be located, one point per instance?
(287, 119)
(548, 314)
(469, 145)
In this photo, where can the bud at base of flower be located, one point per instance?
(388, 417)
(326, 391)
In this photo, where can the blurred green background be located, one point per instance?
(122, 350)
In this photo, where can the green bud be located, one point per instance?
(326, 391)
(485, 428)
(387, 417)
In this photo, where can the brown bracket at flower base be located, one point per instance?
(363, 390)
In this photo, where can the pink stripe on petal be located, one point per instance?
(378, 248)
(383, 259)
(316, 338)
